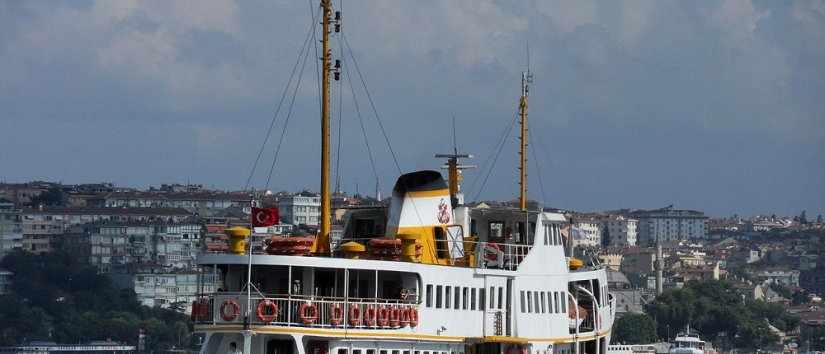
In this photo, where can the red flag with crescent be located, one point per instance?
(264, 217)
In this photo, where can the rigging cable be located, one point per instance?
(317, 68)
(495, 158)
(280, 103)
(340, 115)
(372, 104)
(361, 121)
(538, 168)
(289, 115)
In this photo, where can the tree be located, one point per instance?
(51, 197)
(716, 308)
(634, 329)
(61, 299)
(813, 338)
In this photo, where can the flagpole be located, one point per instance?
(252, 205)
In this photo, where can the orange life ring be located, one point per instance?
(308, 313)
(235, 310)
(404, 319)
(354, 315)
(395, 317)
(336, 314)
(369, 316)
(383, 316)
(265, 305)
(413, 317)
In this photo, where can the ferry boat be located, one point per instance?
(689, 343)
(425, 275)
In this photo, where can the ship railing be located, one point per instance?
(329, 312)
(494, 255)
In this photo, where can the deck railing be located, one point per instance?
(304, 311)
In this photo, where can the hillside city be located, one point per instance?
(148, 241)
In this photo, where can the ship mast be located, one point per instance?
(322, 244)
(526, 80)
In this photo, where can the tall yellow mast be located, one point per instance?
(526, 79)
(322, 244)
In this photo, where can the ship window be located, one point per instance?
(465, 293)
(481, 298)
(563, 302)
(500, 297)
(546, 235)
(429, 295)
(356, 351)
(543, 303)
(472, 300)
(530, 302)
(550, 303)
(457, 302)
(536, 301)
(522, 301)
(556, 299)
(447, 297)
(492, 297)
(438, 296)
(342, 351)
(406, 352)
(441, 247)
(417, 352)
(383, 351)
(396, 352)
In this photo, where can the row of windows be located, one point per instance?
(552, 235)
(455, 297)
(385, 351)
(543, 302)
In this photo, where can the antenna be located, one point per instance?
(454, 169)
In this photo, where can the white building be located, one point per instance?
(117, 247)
(11, 229)
(669, 225)
(180, 289)
(303, 208)
(176, 246)
(587, 232)
(620, 231)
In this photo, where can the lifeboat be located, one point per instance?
(290, 246)
(385, 249)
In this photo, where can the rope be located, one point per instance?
(361, 121)
(538, 168)
(372, 104)
(495, 159)
(340, 115)
(280, 103)
(289, 115)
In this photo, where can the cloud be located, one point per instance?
(215, 69)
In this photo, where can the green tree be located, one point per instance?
(634, 329)
(715, 308)
(64, 300)
(813, 337)
(53, 196)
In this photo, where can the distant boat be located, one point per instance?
(690, 343)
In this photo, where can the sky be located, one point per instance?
(710, 105)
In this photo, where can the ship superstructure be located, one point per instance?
(426, 274)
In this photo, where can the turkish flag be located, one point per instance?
(264, 217)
